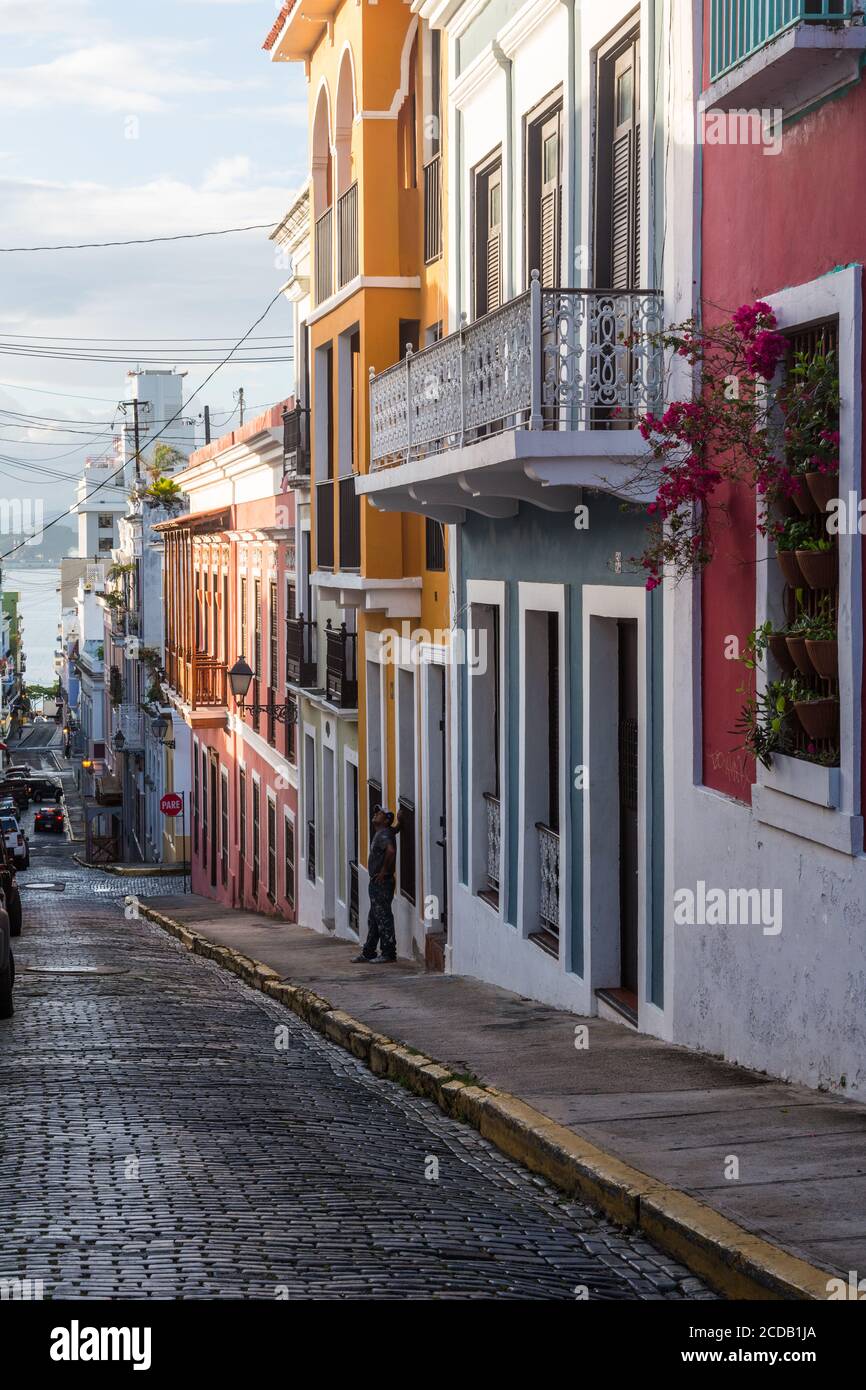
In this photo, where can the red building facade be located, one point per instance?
(230, 573)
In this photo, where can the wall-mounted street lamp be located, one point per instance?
(160, 727)
(118, 743)
(240, 677)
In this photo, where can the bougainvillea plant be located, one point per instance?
(726, 433)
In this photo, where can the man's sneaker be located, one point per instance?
(367, 960)
(386, 960)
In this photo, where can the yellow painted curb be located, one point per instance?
(732, 1261)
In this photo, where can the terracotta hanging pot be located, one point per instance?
(820, 718)
(824, 656)
(779, 648)
(823, 487)
(790, 569)
(803, 499)
(818, 567)
(797, 651)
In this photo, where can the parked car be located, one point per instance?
(18, 789)
(15, 841)
(7, 964)
(43, 788)
(48, 818)
(9, 890)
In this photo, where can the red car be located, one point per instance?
(49, 818)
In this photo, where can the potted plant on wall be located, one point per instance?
(822, 642)
(795, 641)
(818, 560)
(810, 402)
(791, 535)
(765, 721)
(818, 713)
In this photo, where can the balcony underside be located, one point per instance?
(803, 65)
(491, 477)
(396, 598)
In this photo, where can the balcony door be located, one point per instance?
(618, 230)
(544, 194)
(488, 236)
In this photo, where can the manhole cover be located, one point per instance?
(43, 887)
(74, 970)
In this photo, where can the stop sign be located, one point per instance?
(171, 804)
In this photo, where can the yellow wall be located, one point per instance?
(391, 244)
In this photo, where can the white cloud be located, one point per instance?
(135, 78)
(29, 20)
(227, 173)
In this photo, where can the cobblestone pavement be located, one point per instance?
(168, 1132)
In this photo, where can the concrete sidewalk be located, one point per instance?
(676, 1116)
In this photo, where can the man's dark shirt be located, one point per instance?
(378, 845)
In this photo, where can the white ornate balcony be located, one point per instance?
(528, 403)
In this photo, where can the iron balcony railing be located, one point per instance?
(347, 236)
(433, 209)
(738, 28)
(550, 359)
(548, 879)
(209, 682)
(350, 525)
(494, 829)
(301, 663)
(341, 678)
(324, 256)
(131, 725)
(296, 442)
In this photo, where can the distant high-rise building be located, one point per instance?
(159, 396)
(102, 494)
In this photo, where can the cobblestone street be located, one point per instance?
(170, 1133)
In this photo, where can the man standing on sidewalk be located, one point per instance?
(380, 868)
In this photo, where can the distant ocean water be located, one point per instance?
(39, 606)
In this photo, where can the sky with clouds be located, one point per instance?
(131, 120)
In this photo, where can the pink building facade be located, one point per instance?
(230, 568)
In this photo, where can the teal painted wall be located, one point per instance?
(545, 548)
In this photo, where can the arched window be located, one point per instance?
(407, 125)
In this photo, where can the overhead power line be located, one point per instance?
(184, 404)
(144, 240)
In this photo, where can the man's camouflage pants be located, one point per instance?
(380, 922)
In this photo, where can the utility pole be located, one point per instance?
(134, 404)
(241, 402)
(207, 424)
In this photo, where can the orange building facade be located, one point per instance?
(378, 590)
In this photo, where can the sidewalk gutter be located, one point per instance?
(136, 870)
(733, 1261)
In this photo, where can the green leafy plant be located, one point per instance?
(793, 533)
(809, 400)
(820, 544)
(164, 491)
(764, 721)
(817, 627)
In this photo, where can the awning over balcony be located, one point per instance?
(529, 404)
(200, 523)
